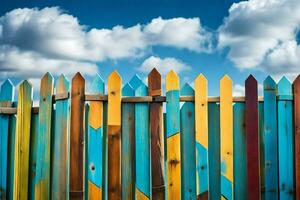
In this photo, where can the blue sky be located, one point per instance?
(213, 37)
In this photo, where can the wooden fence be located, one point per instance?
(79, 145)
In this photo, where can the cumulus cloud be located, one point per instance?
(33, 41)
(262, 34)
(163, 65)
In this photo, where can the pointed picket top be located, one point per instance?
(201, 78)
(46, 87)
(135, 81)
(114, 77)
(226, 80)
(297, 80)
(269, 83)
(47, 77)
(114, 98)
(62, 84)
(78, 77)
(251, 79)
(142, 90)
(154, 83)
(187, 90)
(172, 81)
(127, 90)
(284, 87)
(98, 85)
(26, 85)
(7, 91)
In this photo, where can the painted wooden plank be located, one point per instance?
(128, 144)
(270, 137)
(33, 153)
(21, 165)
(188, 147)
(42, 179)
(142, 147)
(285, 140)
(86, 147)
(105, 160)
(214, 151)
(157, 139)
(201, 117)
(114, 136)
(239, 151)
(6, 98)
(11, 153)
(95, 142)
(61, 143)
(77, 137)
(165, 152)
(173, 136)
(262, 150)
(226, 125)
(252, 138)
(297, 134)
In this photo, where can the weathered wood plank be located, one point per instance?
(262, 149)
(128, 146)
(95, 143)
(142, 146)
(42, 178)
(285, 140)
(77, 137)
(114, 136)
(173, 136)
(214, 151)
(201, 118)
(6, 98)
(270, 139)
(297, 134)
(239, 151)
(157, 138)
(226, 125)
(21, 165)
(188, 147)
(61, 144)
(252, 139)
(11, 158)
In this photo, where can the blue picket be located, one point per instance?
(239, 149)
(142, 145)
(285, 139)
(188, 151)
(128, 145)
(214, 151)
(6, 97)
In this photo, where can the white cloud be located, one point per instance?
(262, 34)
(163, 65)
(33, 41)
(239, 90)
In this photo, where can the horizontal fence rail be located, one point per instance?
(134, 142)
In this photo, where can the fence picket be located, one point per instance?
(77, 137)
(114, 136)
(128, 138)
(6, 98)
(188, 147)
(226, 125)
(201, 117)
(252, 138)
(11, 153)
(142, 146)
(285, 139)
(61, 143)
(297, 134)
(21, 162)
(95, 142)
(262, 151)
(173, 135)
(270, 139)
(239, 151)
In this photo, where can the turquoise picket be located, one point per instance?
(142, 146)
(135, 82)
(270, 137)
(95, 140)
(127, 146)
(188, 151)
(239, 151)
(214, 151)
(6, 97)
(61, 143)
(11, 153)
(33, 153)
(261, 148)
(285, 139)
